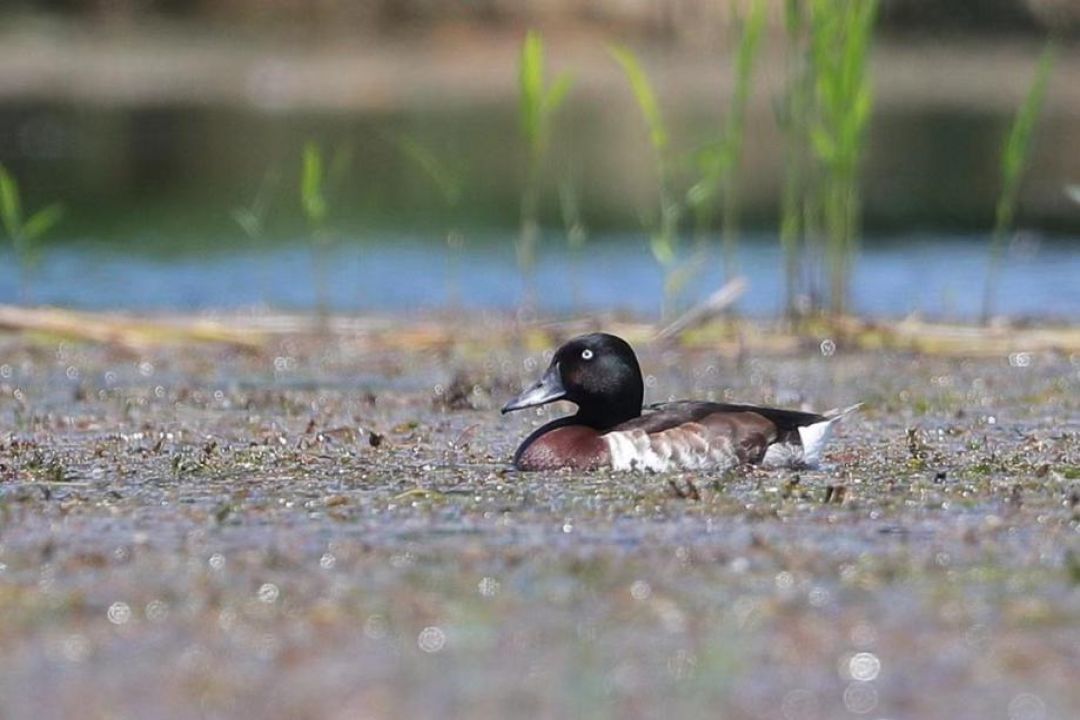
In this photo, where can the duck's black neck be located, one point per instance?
(606, 416)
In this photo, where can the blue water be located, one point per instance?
(941, 278)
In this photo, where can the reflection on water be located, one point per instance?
(942, 277)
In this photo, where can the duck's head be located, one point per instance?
(597, 372)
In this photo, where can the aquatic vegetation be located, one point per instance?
(1015, 154)
(840, 39)
(824, 116)
(719, 161)
(316, 182)
(315, 208)
(252, 218)
(538, 103)
(25, 232)
(664, 225)
(312, 194)
(794, 119)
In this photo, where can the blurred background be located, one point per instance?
(419, 155)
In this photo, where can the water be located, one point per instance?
(941, 277)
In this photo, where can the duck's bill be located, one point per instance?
(548, 389)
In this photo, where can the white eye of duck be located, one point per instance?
(586, 354)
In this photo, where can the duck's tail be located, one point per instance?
(815, 437)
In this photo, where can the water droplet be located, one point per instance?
(799, 705)
(864, 667)
(828, 347)
(268, 593)
(1027, 706)
(119, 613)
(431, 639)
(1020, 359)
(488, 587)
(860, 698)
(327, 561)
(640, 590)
(157, 610)
(217, 562)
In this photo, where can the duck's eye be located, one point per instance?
(586, 354)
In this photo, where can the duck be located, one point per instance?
(599, 373)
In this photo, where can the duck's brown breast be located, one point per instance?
(572, 446)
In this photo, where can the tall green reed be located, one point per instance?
(538, 103)
(795, 117)
(840, 38)
(315, 208)
(317, 180)
(663, 227)
(1015, 156)
(25, 232)
(719, 161)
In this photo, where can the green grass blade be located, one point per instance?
(311, 185)
(531, 86)
(10, 208)
(446, 180)
(557, 93)
(1017, 149)
(1015, 154)
(749, 43)
(248, 222)
(643, 94)
(43, 221)
(252, 218)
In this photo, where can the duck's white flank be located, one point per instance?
(686, 447)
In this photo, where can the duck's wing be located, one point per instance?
(661, 416)
(691, 435)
